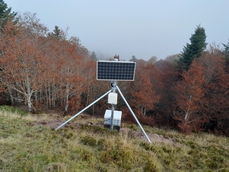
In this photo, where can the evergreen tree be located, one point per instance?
(57, 33)
(194, 49)
(226, 52)
(93, 56)
(133, 58)
(5, 15)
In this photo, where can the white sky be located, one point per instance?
(143, 28)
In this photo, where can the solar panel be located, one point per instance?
(115, 70)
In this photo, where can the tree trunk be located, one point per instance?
(66, 99)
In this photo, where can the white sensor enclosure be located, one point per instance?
(112, 98)
(116, 118)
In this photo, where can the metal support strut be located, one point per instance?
(83, 110)
(133, 114)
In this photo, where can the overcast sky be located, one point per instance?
(143, 28)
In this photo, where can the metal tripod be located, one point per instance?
(112, 112)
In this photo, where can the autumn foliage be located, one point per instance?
(143, 91)
(188, 96)
(39, 69)
(45, 71)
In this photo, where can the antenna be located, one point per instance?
(113, 71)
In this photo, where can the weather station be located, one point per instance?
(113, 71)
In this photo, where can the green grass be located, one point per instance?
(27, 145)
(13, 110)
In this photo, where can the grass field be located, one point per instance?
(31, 143)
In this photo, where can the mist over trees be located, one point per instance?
(45, 70)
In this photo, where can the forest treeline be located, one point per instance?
(49, 71)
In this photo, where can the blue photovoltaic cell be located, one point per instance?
(115, 70)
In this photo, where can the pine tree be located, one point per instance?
(194, 49)
(133, 58)
(57, 33)
(226, 52)
(93, 56)
(5, 14)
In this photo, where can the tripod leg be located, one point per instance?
(133, 114)
(83, 110)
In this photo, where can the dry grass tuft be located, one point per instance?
(30, 143)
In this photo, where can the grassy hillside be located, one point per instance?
(29, 143)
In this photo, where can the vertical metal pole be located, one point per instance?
(113, 83)
(83, 109)
(133, 114)
(112, 117)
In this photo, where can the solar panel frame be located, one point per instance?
(115, 70)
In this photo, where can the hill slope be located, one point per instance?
(29, 143)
